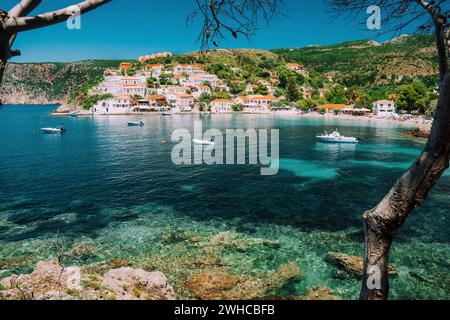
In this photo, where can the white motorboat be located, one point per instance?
(58, 129)
(336, 137)
(74, 114)
(204, 142)
(135, 123)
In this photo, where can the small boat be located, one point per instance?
(204, 142)
(135, 124)
(58, 129)
(336, 137)
(167, 113)
(74, 114)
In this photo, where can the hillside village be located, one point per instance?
(188, 88)
(322, 80)
(183, 88)
(143, 87)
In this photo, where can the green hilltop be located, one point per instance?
(364, 62)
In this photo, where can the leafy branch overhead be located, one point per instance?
(232, 17)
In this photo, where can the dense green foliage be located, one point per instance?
(413, 97)
(360, 63)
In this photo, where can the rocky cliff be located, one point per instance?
(48, 83)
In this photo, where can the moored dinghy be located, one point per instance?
(135, 124)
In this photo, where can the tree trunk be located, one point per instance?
(5, 52)
(2, 70)
(409, 192)
(4, 49)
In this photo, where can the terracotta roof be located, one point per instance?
(156, 97)
(222, 100)
(334, 106)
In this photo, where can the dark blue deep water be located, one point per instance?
(116, 188)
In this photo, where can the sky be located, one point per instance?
(126, 29)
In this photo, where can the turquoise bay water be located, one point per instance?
(115, 189)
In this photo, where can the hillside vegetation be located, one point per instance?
(363, 63)
(355, 72)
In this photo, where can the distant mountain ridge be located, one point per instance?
(352, 63)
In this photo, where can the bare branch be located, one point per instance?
(19, 24)
(24, 7)
(235, 17)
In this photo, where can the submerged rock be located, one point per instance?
(221, 285)
(350, 266)
(320, 293)
(82, 251)
(203, 262)
(16, 262)
(234, 240)
(173, 237)
(50, 281)
(417, 133)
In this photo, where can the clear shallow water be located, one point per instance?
(115, 188)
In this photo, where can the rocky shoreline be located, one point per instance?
(117, 280)
(51, 281)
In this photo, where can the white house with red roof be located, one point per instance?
(197, 91)
(268, 85)
(296, 67)
(181, 102)
(256, 103)
(222, 106)
(183, 68)
(117, 85)
(155, 70)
